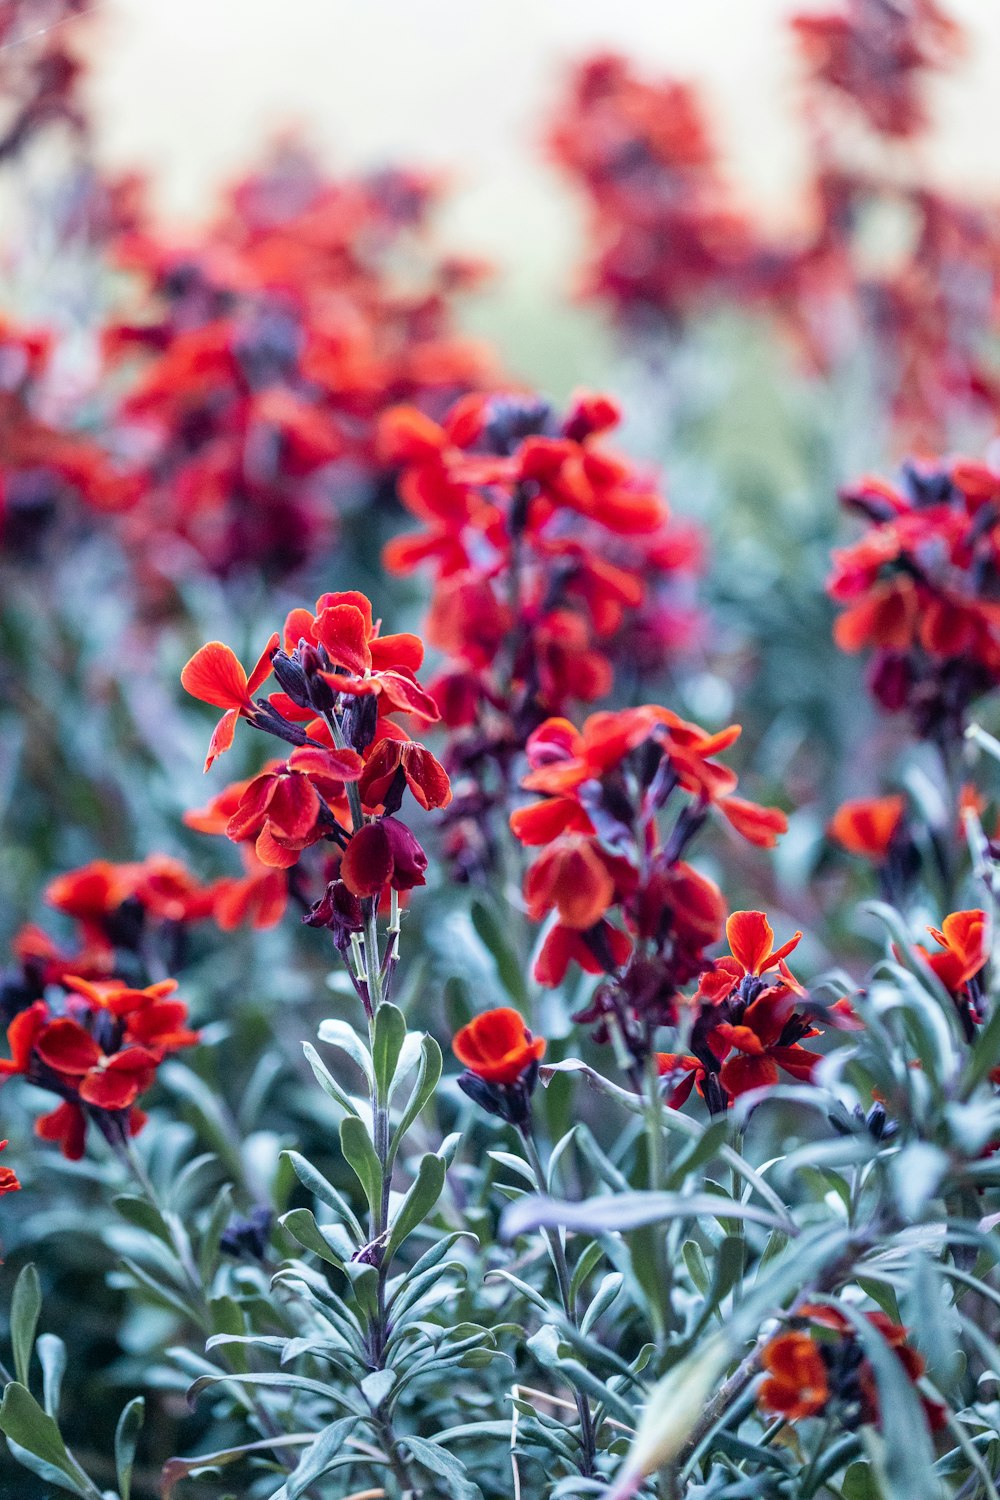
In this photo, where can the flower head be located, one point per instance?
(500, 1057)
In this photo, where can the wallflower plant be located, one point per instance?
(703, 1204)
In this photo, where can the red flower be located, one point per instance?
(920, 587)
(169, 892)
(106, 1082)
(380, 854)
(21, 1035)
(682, 1073)
(362, 661)
(796, 1384)
(213, 675)
(964, 937)
(259, 897)
(423, 773)
(600, 950)
(795, 1388)
(869, 826)
(497, 1046)
(751, 942)
(66, 1126)
(8, 1177)
(91, 893)
(152, 1016)
(747, 1021)
(292, 804)
(573, 877)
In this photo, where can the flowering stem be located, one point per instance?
(557, 1250)
(378, 1327)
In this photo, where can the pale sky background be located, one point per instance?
(191, 89)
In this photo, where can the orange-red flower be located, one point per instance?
(360, 661)
(823, 1366)
(497, 1046)
(796, 1384)
(391, 761)
(260, 896)
(214, 675)
(554, 561)
(292, 804)
(920, 589)
(106, 1081)
(964, 941)
(572, 876)
(98, 1048)
(868, 826)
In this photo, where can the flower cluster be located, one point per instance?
(343, 686)
(667, 244)
(606, 792)
(747, 1021)
(821, 1367)
(920, 590)
(555, 567)
(267, 350)
(665, 236)
(97, 1048)
(875, 55)
(45, 470)
(92, 1022)
(129, 919)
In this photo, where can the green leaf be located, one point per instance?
(419, 1201)
(377, 1387)
(859, 1483)
(327, 1082)
(694, 1259)
(227, 1317)
(606, 1293)
(619, 1212)
(588, 1262)
(208, 1253)
(302, 1226)
(142, 1215)
(342, 1035)
(390, 1034)
(356, 1144)
(426, 1081)
(493, 939)
(916, 1174)
(177, 1469)
(364, 1284)
(52, 1358)
(26, 1304)
(33, 1435)
(317, 1458)
(126, 1440)
(311, 1178)
(429, 1456)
